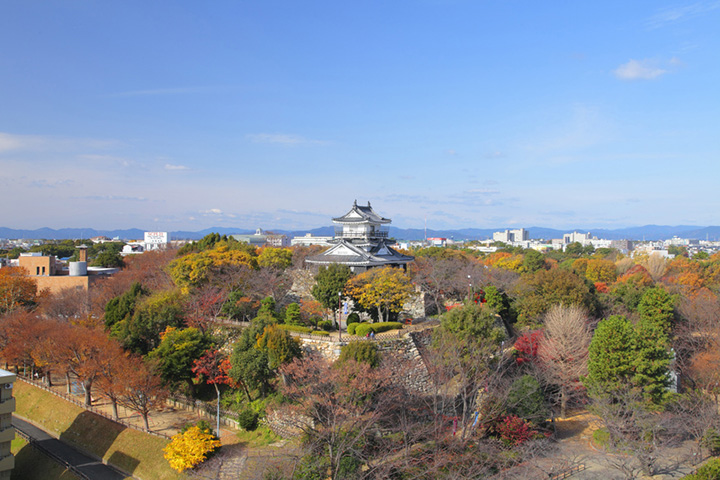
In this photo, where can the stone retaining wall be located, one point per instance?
(326, 349)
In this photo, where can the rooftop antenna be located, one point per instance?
(425, 229)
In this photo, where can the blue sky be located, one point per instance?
(170, 115)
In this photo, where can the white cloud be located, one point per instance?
(43, 183)
(169, 166)
(639, 70)
(679, 13)
(113, 198)
(281, 138)
(212, 211)
(13, 142)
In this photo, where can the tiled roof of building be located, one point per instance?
(359, 214)
(346, 253)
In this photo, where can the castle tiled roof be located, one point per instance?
(359, 214)
(346, 253)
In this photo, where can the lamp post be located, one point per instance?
(339, 316)
(469, 288)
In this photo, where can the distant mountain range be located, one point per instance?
(647, 232)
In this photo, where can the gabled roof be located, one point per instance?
(346, 253)
(361, 215)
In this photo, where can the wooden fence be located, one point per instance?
(570, 472)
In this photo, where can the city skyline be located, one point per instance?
(184, 116)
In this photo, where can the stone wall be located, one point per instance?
(407, 364)
(416, 307)
(330, 350)
(402, 354)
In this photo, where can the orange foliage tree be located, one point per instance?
(17, 289)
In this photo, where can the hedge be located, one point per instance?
(326, 325)
(300, 329)
(385, 326)
(352, 326)
(363, 329)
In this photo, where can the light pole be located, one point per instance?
(339, 316)
(469, 288)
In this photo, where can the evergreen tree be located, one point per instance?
(177, 353)
(292, 314)
(329, 282)
(526, 400)
(623, 358)
(656, 305)
(612, 357)
(652, 360)
(123, 306)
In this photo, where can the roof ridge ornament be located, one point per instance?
(355, 203)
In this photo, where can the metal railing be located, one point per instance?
(371, 234)
(92, 409)
(39, 447)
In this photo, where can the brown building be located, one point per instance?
(49, 274)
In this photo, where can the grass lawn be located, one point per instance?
(130, 450)
(31, 464)
(260, 437)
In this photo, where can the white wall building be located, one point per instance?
(583, 238)
(309, 239)
(156, 240)
(510, 236)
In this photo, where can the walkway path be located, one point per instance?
(84, 465)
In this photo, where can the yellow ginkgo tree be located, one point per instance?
(386, 289)
(191, 448)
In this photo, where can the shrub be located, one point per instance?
(352, 318)
(295, 328)
(526, 400)
(513, 430)
(527, 346)
(352, 326)
(326, 325)
(363, 329)
(248, 419)
(711, 441)
(311, 467)
(365, 352)
(203, 425)
(709, 471)
(301, 329)
(189, 449)
(385, 326)
(601, 437)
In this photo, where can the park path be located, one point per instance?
(86, 466)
